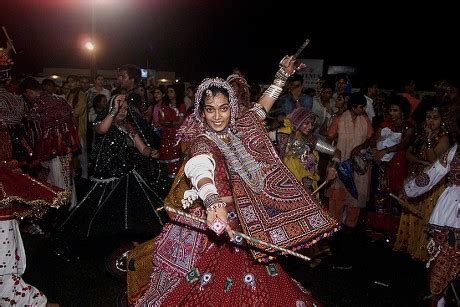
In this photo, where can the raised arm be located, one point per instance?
(274, 90)
(115, 105)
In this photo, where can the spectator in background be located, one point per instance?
(189, 97)
(97, 89)
(49, 86)
(322, 106)
(65, 89)
(407, 91)
(172, 116)
(129, 78)
(370, 90)
(77, 99)
(56, 137)
(295, 98)
(310, 92)
(84, 84)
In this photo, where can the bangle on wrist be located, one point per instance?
(113, 112)
(213, 202)
(282, 74)
(279, 82)
(147, 151)
(273, 91)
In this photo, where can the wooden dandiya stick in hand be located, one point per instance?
(237, 233)
(407, 206)
(320, 187)
(299, 51)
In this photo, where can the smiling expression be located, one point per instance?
(217, 112)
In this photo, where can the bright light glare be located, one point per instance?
(54, 77)
(89, 46)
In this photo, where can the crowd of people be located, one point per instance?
(284, 165)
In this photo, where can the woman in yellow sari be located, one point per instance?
(299, 148)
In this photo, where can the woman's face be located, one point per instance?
(433, 119)
(395, 112)
(158, 95)
(189, 93)
(326, 94)
(358, 110)
(340, 102)
(171, 93)
(122, 112)
(217, 112)
(306, 127)
(340, 85)
(451, 92)
(120, 101)
(102, 104)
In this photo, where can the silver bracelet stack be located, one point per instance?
(113, 112)
(273, 91)
(213, 202)
(326, 148)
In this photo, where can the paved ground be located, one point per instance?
(379, 277)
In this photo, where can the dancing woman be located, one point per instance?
(444, 221)
(428, 147)
(243, 185)
(120, 199)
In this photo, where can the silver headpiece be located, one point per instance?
(203, 88)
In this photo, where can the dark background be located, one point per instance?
(198, 38)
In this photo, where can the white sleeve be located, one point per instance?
(423, 182)
(199, 167)
(370, 110)
(272, 135)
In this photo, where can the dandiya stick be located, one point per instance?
(307, 41)
(237, 233)
(10, 42)
(407, 206)
(320, 187)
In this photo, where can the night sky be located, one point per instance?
(198, 38)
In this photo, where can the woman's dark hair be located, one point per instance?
(356, 99)
(215, 90)
(97, 100)
(29, 83)
(145, 96)
(133, 71)
(179, 93)
(401, 102)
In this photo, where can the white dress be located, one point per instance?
(14, 291)
(388, 138)
(447, 210)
